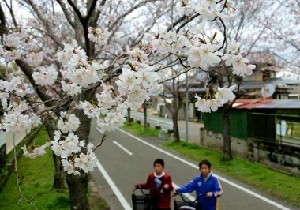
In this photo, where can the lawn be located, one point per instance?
(37, 185)
(140, 131)
(275, 183)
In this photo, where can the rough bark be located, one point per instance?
(176, 106)
(2, 156)
(145, 116)
(59, 174)
(175, 126)
(78, 184)
(3, 28)
(78, 190)
(227, 155)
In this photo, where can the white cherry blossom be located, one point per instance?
(68, 122)
(225, 94)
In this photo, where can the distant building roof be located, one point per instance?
(262, 58)
(193, 90)
(266, 104)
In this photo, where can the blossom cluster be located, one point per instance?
(98, 35)
(71, 72)
(139, 83)
(35, 151)
(222, 96)
(76, 155)
(195, 49)
(18, 118)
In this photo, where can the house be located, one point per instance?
(264, 130)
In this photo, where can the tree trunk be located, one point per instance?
(2, 156)
(78, 190)
(175, 125)
(128, 117)
(145, 116)
(176, 106)
(59, 173)
(175, 113)
(226, 133)
(78, 184)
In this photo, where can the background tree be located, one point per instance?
(49, 25)
(78, 71)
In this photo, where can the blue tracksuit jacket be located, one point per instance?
(202, 187)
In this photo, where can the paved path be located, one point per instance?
(125, 160)
(193, 127)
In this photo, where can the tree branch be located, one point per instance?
(11, 13)
(187, 21)
(45, 23)
(77, 11)
(3, 28)
(66, 13)
(91, 9)
(97, 15)
(26, 69)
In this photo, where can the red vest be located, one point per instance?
(161, 197)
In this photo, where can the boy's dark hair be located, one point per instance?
(205, 162)
(159, 161)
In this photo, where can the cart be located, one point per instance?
(184, 204)
(141, 200)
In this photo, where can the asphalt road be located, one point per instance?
(125, 160)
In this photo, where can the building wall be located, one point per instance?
(215, 140)
(239, 122)
(181, 113)
(286, 158)
(8, 138)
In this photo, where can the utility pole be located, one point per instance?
(186, 107)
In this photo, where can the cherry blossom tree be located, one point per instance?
(73, 66)
(58, 95)
(268, 26)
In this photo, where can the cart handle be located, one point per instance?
(141, 189)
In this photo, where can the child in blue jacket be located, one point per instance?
(206, 185)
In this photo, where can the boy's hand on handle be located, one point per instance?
(166, 186)
(209, 195)
(174, 192)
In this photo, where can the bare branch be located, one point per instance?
(66, 13)
(3, 28)
(116, 22)
(91, 9)
(10, 9)
(187, 21)
(97, 15)
(179, 20)
(45, 23)
(77, 11)
(28, 72)
(104, 137)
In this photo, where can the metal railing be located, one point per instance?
(155, 122)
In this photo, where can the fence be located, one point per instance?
(7, 138)
(163, 124)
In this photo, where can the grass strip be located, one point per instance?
(275, 183)
(37, 184)
(139, 130)
(281, 185)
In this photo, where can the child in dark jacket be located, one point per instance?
(207, 187)
(160, 185)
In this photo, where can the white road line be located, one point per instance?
(123, 148)
(188, 195)
(221, 178)
(112, 185)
